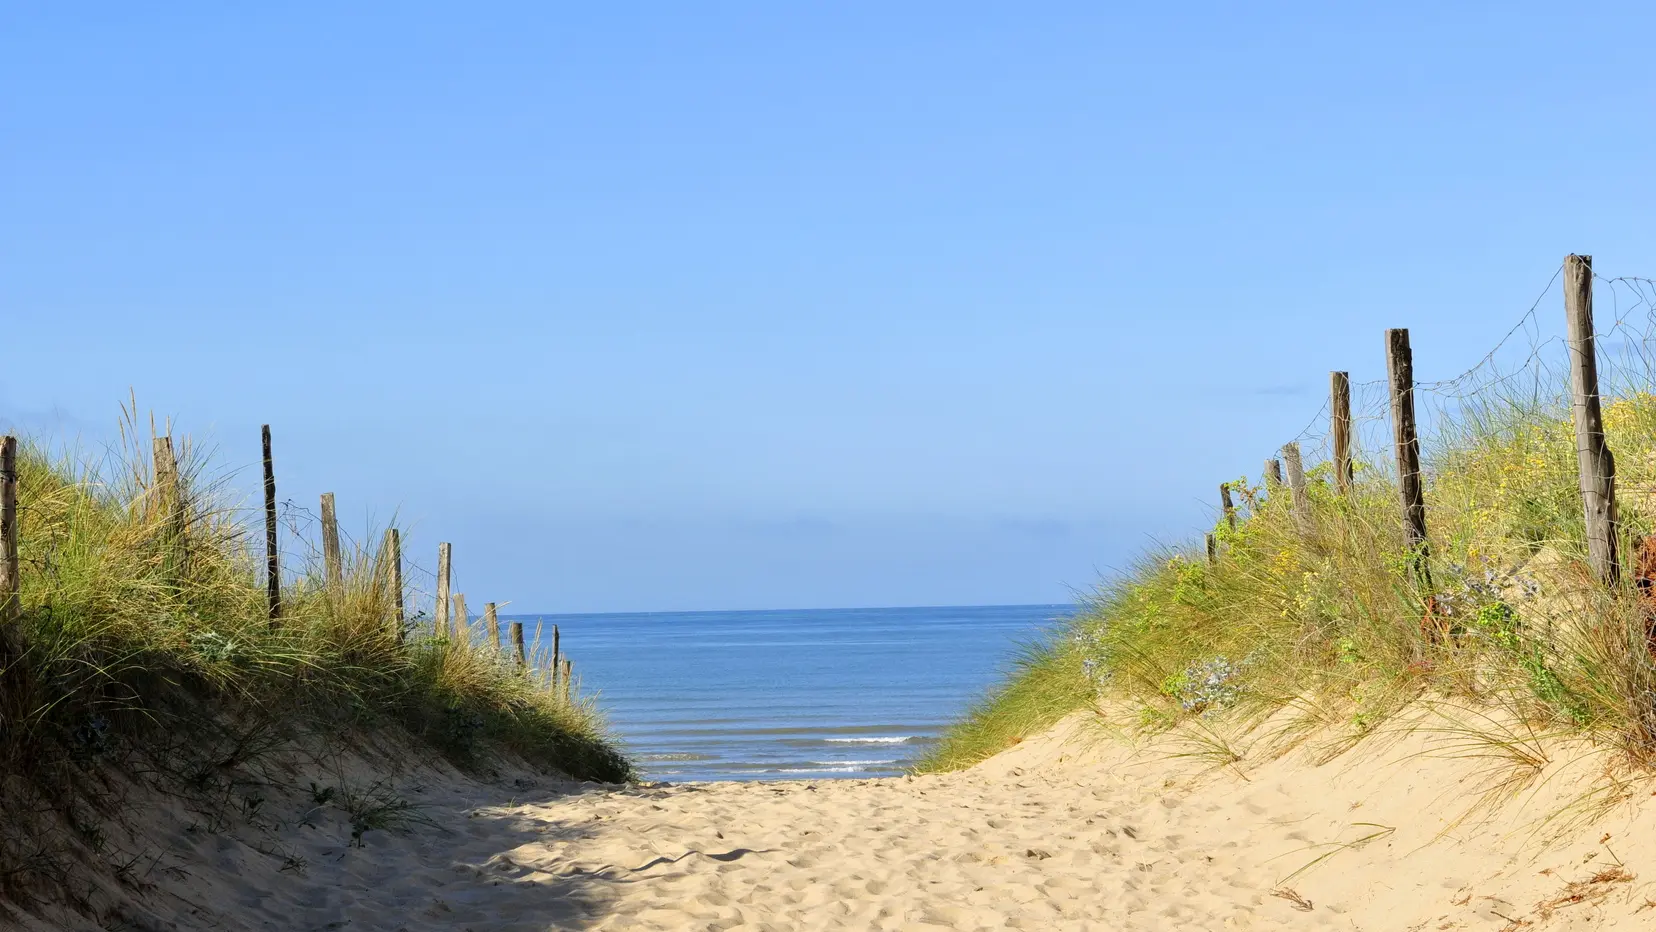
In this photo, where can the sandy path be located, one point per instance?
(1052, 835)
(965, 852)
(1057, 836)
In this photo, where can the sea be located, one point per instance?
(778, 695)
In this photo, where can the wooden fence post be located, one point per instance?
(1296, 485)
(1228, 504)
(460, 622)
(334, 565)
(169, 503)
(440, 620)
(1340, 420)
(518, 652)
(1595, 464)
(393, 562)
(557, 648)
(9, 567)
(273, 562)
(1273, 477)
(166, 472)
(568, 675)
(1212, 547)
(491, 623)
(1406, 440)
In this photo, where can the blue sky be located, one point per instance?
(742, 305)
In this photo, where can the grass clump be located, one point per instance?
(1324, 609)
(1049, 682)
(141, 645)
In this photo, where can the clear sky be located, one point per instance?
(741, 305)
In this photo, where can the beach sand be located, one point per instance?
(1067, 831)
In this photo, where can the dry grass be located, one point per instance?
(1325, 616)
(148, 651)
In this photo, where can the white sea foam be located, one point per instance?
(818, 770)
(891, 740)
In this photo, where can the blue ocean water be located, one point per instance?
(816, 693)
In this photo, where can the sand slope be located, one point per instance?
(1063, 832)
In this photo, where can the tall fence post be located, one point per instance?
(9, 567)
(1296, 485)
(393, 563)
(273, 562)
(331, 561)
(1406, 441)
(557, 649)
(519, 655)
(440, 621)
(1597, 467)
(491, 622)
(1339, 404)
(1228, 504)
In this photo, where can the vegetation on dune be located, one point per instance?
(142, 644)
(1323, 612)
(1049, 682)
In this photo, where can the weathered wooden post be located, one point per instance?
(440, 621)
(1340, 421)
(1228, 504)
(460, 622)
(557, 648)
(332, 562)
(273, 562)
(169, 503)
(1212, 548)
(568, 676)
(1406, 441)
(1273, 475)
(166, 471)
(1296, 485)
(518, 653)
(1596, 465)
(491, 623)
(9, 567)
(391, 553)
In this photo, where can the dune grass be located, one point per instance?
(142, 642)
(1325, 611)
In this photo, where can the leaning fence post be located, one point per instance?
(1596, 466)
(1339, 401)
(518, 652)
(331, 560)
(393, 559)
(1296, 485)
(1228, 504)
(460, 622)
(440, 621)
(491, 622)
(9, 567)
(273, 563)
(1406, 441)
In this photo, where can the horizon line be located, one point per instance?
(759, 611)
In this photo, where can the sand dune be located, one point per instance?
(1063, 832)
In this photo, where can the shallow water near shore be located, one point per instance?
(773, 695)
